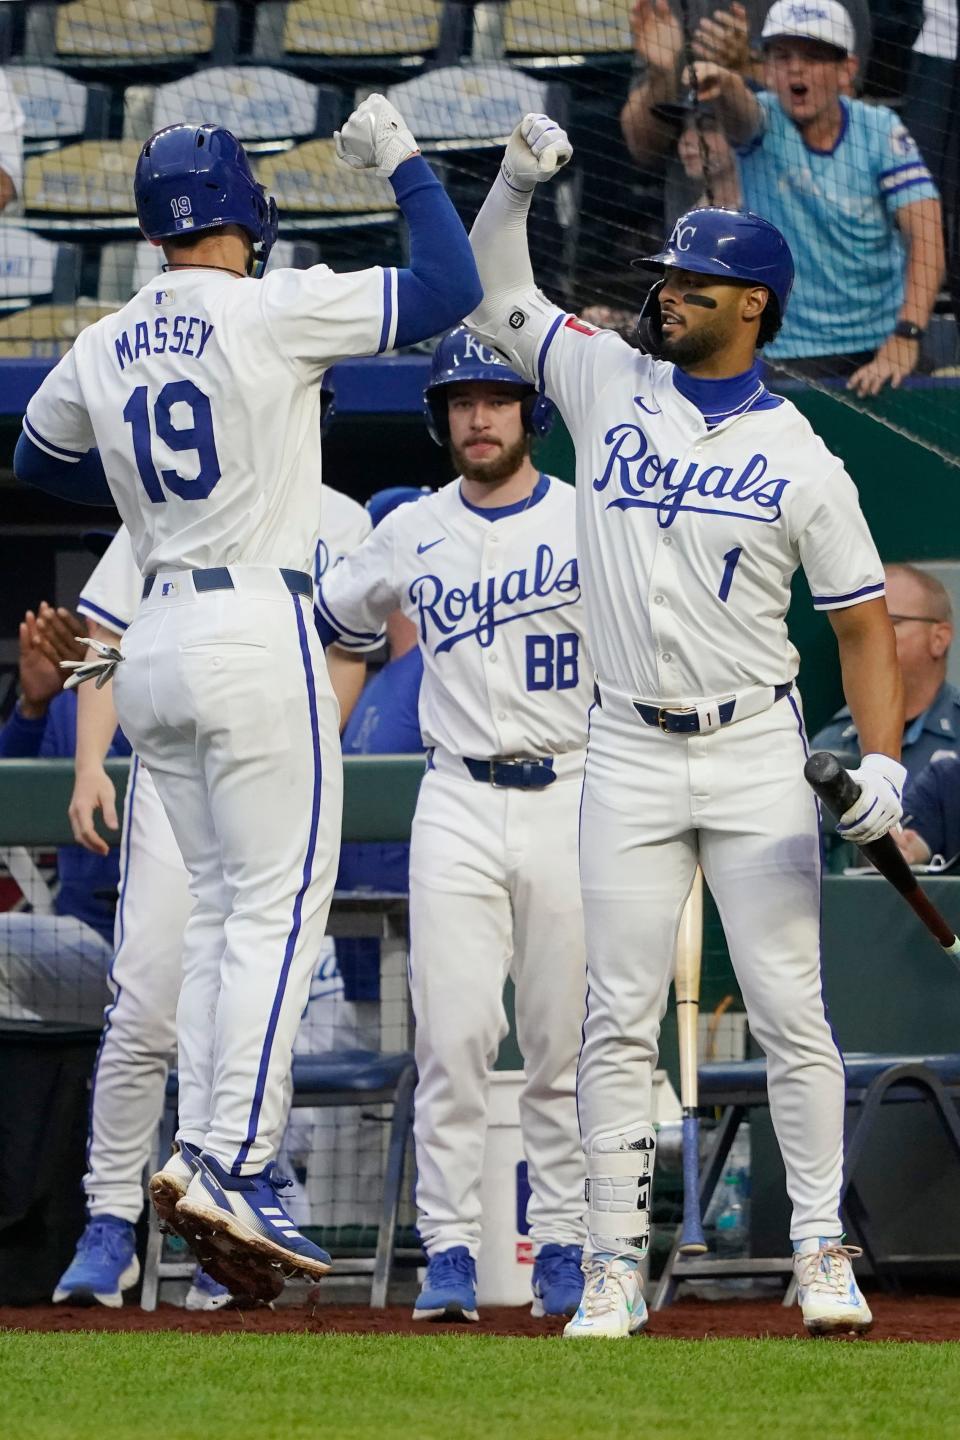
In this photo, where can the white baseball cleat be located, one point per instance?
(612, 1306)
(829, 1295)
(169, 1185)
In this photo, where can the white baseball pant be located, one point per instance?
(494, 891)
(736, 801)
(225, 695)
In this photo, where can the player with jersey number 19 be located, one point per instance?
(487, 571)
(699, 494)
(202, 398)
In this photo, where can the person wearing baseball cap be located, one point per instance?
(848, 188)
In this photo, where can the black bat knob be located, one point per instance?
(831, 782)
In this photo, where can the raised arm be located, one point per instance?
(658, 44)
(440, 284)
(734, 102)
(535, 152)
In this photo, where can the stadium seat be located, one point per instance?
(33, 269)
(317, 193)
(57, 109)
(46, 331)
(112, 33)
(472, 106)
(872, 1081)
(566, 28)
(125, 266)
(354, 36)
(81, 188)
(342, 1078)
(267, 109)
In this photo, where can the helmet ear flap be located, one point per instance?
(650, 322)
(538, 413)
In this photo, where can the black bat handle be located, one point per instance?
(831, 782)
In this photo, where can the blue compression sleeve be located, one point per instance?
(82, 481)
(441, 284)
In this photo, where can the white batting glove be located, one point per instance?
(101, 670)
(879, 806)
(375, 138)
(535, 151)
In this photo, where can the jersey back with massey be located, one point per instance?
(204, 387)
(505, 667)
(691, 526)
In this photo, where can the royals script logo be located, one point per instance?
(642, 478)
(449, 614)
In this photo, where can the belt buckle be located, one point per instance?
(492, 769)
(662, 720)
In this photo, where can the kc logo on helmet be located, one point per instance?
(682, 235)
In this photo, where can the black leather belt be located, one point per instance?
(219, 578)
(509, 774)
(687, 722)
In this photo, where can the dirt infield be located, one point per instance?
(908, 1318)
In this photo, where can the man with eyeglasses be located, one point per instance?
(922, 618)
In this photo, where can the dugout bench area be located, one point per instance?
(894, 1003)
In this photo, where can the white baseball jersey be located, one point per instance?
(202, 395)
(111, 595)
(687, 536)
(495, 596)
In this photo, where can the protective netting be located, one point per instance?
(839, 121)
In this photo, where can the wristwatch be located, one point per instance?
(906, 330)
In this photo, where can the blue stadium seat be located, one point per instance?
(267, 109)
(872, 1081)
(58, 109)
(33, 270)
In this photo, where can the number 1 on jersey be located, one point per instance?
(731, 557)
(197, 436)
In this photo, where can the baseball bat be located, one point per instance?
(831, 782)
(687, 987)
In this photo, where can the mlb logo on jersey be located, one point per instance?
(170, 587)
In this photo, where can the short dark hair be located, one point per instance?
(770, 321)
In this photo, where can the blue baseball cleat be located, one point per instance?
(104, 1265)
(557, 1280)
(240, 1218)
(449, 1290)
(205, 1293)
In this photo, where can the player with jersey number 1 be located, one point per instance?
(487, 571)
(200, 399)
(699, 493)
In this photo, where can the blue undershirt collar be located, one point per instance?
(500, 512)
(718, 400)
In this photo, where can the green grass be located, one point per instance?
(91, 1386)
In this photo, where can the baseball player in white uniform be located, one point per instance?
(154, 905)
(487, 571)
(202, 396)
(699, 493)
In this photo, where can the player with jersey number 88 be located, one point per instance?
(487, 571)
(200, 400)
(699, 493)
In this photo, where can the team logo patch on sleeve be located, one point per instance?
(581, 326)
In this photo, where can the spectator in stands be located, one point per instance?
(722, 38)
(932, 116)
(931, 814)
(846, 184)
(923, 624)
(11, 142)
(54, 966)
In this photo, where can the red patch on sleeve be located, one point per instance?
(581, 327)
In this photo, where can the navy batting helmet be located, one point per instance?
(383, 502)
(461, 357)
(198, 177)
(731, 244)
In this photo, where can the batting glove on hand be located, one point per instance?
(375, 138)
(535, 151)
(878, 807)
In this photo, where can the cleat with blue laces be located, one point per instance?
(557, 1280)
(205, 1293)
(449, 1290)
(240, 1218)
(104, 1265)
